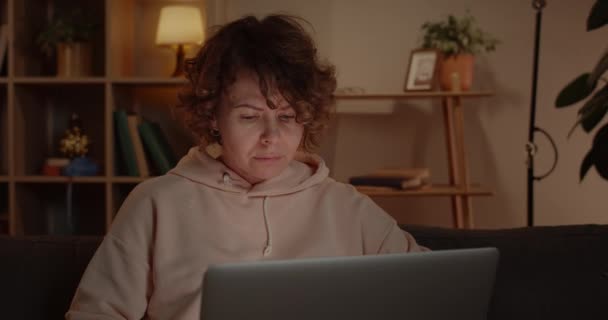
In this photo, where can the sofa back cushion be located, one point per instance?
(38, 275)
(543, 273)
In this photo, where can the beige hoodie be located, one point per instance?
(171, 228)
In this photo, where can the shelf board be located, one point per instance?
(149, 80)
(430, 191)
(414, 95)
(65, 179)
(59, 179)
(128, 180)
(3, 80)
(59, 80)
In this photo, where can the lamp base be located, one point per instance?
(179, 61)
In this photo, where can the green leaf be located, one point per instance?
(578, 121)
(599, 69)
(574, 92)
(600, 152)
(586, 165)
(596, 109)
(601, 137)
(597, 156)
(598, 16)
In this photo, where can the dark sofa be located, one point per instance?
(544, 272)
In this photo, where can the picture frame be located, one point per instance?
(422, 70)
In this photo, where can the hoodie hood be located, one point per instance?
(305, 171)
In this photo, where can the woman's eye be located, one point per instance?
(249, 117)
(287, 117)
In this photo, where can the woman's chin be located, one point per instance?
(268, 172)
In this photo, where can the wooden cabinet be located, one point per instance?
(128, 72)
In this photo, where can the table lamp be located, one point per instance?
(179, 26)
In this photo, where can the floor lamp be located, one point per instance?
(531, 147)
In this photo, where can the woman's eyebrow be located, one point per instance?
(246, 105)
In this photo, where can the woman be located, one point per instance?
(258, 95)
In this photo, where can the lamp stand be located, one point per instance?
(179, 61)
(531, 147)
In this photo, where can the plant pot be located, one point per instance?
(456, 72)
(73, 59)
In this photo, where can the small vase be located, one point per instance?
(456, 72)
(73, 59)
(81, 166)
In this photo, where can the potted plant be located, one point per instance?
(458, 40)
(593, 111)
(69, 35)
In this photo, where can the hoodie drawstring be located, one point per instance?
(268, 247)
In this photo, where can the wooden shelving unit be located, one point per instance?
(459, 189)
(151, 81)
(58, 81)
(415, 95)
(35, 106)
(47, 179)
(430, 191)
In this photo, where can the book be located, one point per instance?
(154, 147)
(390, 182)
(125, 143)
(421, 173)
(138, 147)
(164, 144)
(397, 178)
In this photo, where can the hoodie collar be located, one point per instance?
(305, 171)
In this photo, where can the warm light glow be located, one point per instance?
(179, 25)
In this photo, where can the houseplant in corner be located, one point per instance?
(594, 109)
(458, 40)
(68, 35)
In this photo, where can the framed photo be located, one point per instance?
(422, 70)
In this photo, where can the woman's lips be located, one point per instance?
(267, 158)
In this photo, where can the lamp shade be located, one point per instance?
(179, 25)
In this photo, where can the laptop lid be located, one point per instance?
(437, 285)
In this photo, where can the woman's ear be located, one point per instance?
(214, 117)
(302, 145)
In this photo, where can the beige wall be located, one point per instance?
(369, 42)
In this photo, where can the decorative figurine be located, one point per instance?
(75, 145)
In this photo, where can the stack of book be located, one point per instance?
(142, 148)
(399, 178)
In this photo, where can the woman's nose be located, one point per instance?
(270, 134)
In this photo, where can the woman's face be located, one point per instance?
(257, 142)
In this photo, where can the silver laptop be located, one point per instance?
(438, 285)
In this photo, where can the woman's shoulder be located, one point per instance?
(144, 201)
(332, 185)
(163, 186)
(154, 186)
(344, 191)
(354, 202)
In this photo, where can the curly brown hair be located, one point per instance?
(282, 55)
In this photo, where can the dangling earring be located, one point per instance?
(215, 133)
(214, 148)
